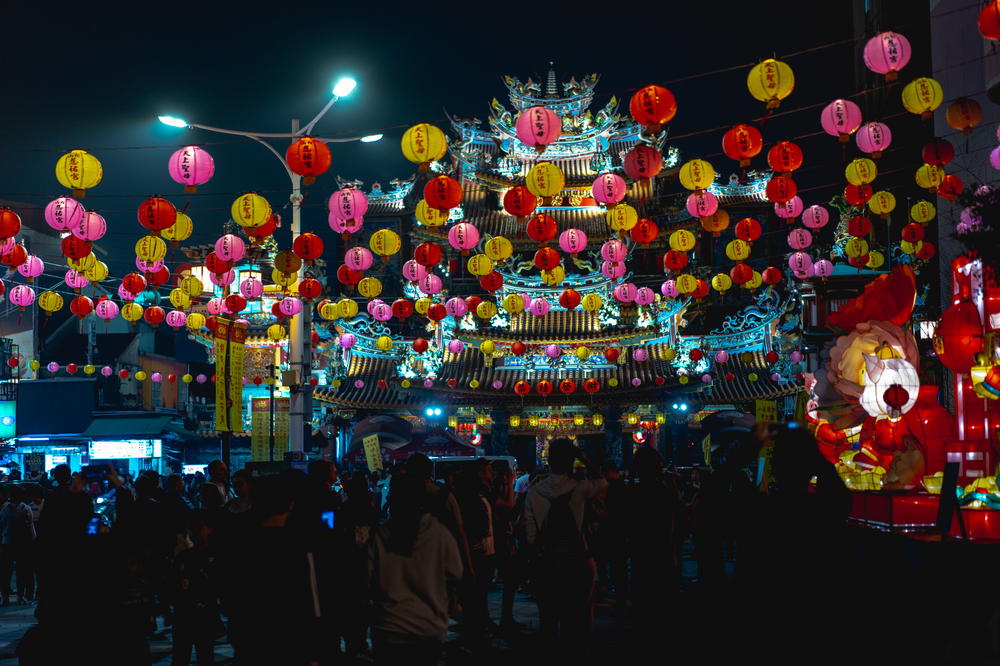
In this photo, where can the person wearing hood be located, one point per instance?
(563, 565)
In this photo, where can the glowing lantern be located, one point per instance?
(307, 247)
(921, 96)
(491, 281)
(542, 228)
(738, 250)
(922, 212)
(463, 236)
(156, 214)
(771, 81)
(614, 251)
(886, 53)
(250, 210)
(642, 163)
(545, 180)
(413, 271)
(81, 306)
(154, 315)
(443, 192)
(686, 283)
(929, 177)
(841, 118)
(591, 302)
(369, 287)
(873, 138)
(290, 306)
(696, 175)
(674, 260)
(859, 226)
(652, 106)
(180, 230)
(358, 258)
(17, 255)
(573, 241)
(427, 216)
(230, 247)
(799, 239)
(22, 296)
(547, 258)
(800, 262)
(860, 171)
(79, 171)
(748, 230)
(963, 114)
(702, 203)
(276, 332)
(741, 273)
(519, 202)
(755, 281)
(50, 302)
(823, 268)
(522, 387)
(427, 254)
(255, 234)
(612, 270)
(789, 210)
(63, 213)
(951, 186)
(131, 312)
(875, 259)
(10, 224)
(554, 276)
(456, 307)
(539, 307)
(309, 289)
(479, 265)
(858, 195)
(308, 157)
(882, 203)
(772, 275)
(383, 343)
(912, 233)
(989, 20)
(347, 205)
(424, 143)
(195, 321)
(644, 296)
(346, 308)
(499, 248)
(97, 272)
(538, 127)
(216, 264)
(191, 286)
(681, 240)
(722, 283)
(31, 267)
(179, 299)
(742, 143)
(854, 248)
(784, 157)
(926, 251)
(513, 303)
(715, 223)
(781, 189)
(486, 310)
(191, 166)
(106, 309)
(385, 243)
(622, 217)
(134, 283)
(608, 189)
(959, 337)
(645, 232)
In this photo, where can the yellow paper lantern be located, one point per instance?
(613, 382)
(421, 305)
(683, 379)
(545, 180)
(929, 176)
(582, 353)
(721, 283)
(336, 383)
(737, 249)
(131, 311)
(860, 171)
(429, 217)
(424, 143)
(514, 421)
(922, 212)
(696, 175)
(383, 343)
(328, 311)
(486, 310)
(554, 277)
(875, 259)
(755, 281)
(79, 170)
(771, 81)
(89, 369)
(385, 243)
(686, 283)
(275, 332)
(578, 419)
(405, 384)
(753, 376)
(682, 240)
(513, 303)
(479, 265)
(50, 302)
(474, 383)
(195, 321)
(498, 248)
(592, 302)
(922, 95)
(370, 287)
(346, 308)
(669, 354)
(151, 248)
(34, 365)
(856, 247)
(187, 378)
(179, 299)
(487, 347)
(882, 203)
(283, 279)
(140, 376)
(97, 272)
(83, 264)
(250, 210)
(910, 248)
(597, 419)
(191, 286)
(180, 230)
(715, 223)
(622, 217)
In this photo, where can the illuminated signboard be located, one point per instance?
(8, 419)
(126, 448)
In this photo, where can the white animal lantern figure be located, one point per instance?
(890, 386)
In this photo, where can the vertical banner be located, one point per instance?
(234, 366)
(281, 427)
(373, 452)
(221, 369)
(766, 411)
(260, 431)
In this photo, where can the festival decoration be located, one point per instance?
(424, 143)
(742, 143)
(886, 53)
(841, 118)
(249, 210)
(964, 114)
(784, 157)
(308, 157)
(696, 175)
(652, 107)
(443, 193)
(921, 96)
(771, 81)
(79, 171)
(873, 138)
(545, 180)
(537, 127)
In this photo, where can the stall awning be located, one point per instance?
(127, 427)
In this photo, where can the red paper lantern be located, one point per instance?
(13, 362)
(443, 192)
(959, 337)
(71, 246)
(10, 223)
(741, 273)
(784, 157)
(695, 355)
(674, 260)
(491, 281)
(591, 385)
(308, 157)
(81, 306)
(420, 345)
(211, 322)
(989, 21)
(518, 348)
(17, 256)
(612, 354)
(748, 229)
(927, 250)
(951, 186)
(859, 262)
(310, 288)
(172, 378)
(781, 189)
(544, 387)
(349, 276)
(402, 308)
(522, 388)
(308, 247)
(156, 214)
(569, 299)
(771, 357)
(154, 315)
(895, 396)
(257, 234)
(859, 226)
(547, 258)
(858, 195)
(772, 275)
(519, 201)
(235, 303)
(742, 143)
(436, 312)
(567, 386)
(938, 152)
(701, 291)
(913, 233)
(216, 264)
(644, 232)
(542, 228)
(472, 302)
(452, 383)
(160, 277)
(427, 254)
(659, 381)
(380, 383)
(134, 283)
(123, 373)
(642, 162)
(652, 106)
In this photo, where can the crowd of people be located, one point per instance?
(315, 568)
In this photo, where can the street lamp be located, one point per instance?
(300, 343)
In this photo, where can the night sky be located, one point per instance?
(97, 77)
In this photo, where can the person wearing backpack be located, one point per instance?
(563, 568)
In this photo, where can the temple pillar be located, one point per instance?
(613, 434)
(500, 434)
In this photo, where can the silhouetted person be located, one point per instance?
(474, 495)
(194, 594)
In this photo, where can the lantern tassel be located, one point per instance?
(190, 189)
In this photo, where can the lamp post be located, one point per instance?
(300, 341)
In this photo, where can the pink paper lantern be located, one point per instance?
(526, 299)
(636, 382)
(91, 227)
(702, 203)
(614, 251)
(344, 226)
(790, 209)
(612, 270)
(539, 307)
(372, 303)
(32, 267)
(840, 118)
(800, 262)
(640, 354)
(886, 53)
(669, 289)
(230, 247)
(430, 284)
(106, 309)
(873, 138)
(191, 166)
(358, 258)
(644, 296)
(413, 271)
(456, 307)
(214, 306)
(428, 383)
(223, 279)
(799, 239)
(157, 377)
(382, 311)
(553, 351)
(497, 384)
(538, 126)
(823, 268)
(815, 217)
(995, 158)
(796, 356)
(7, 244)
(803, 275)
(775, 377)
(201, 378)
(456, 346)
(347, 340)
(176, 318)
(127, 295)
(251, 288)
(53, 366)
(290, 306)
(359, 383)
(625, 292)
(609, 189)
(721, 356)
(106, 371)
(144, 266)
(706, 378)
(573, 241)
(348, 204)
(463, 236)
(22, 295)
(63, 213)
